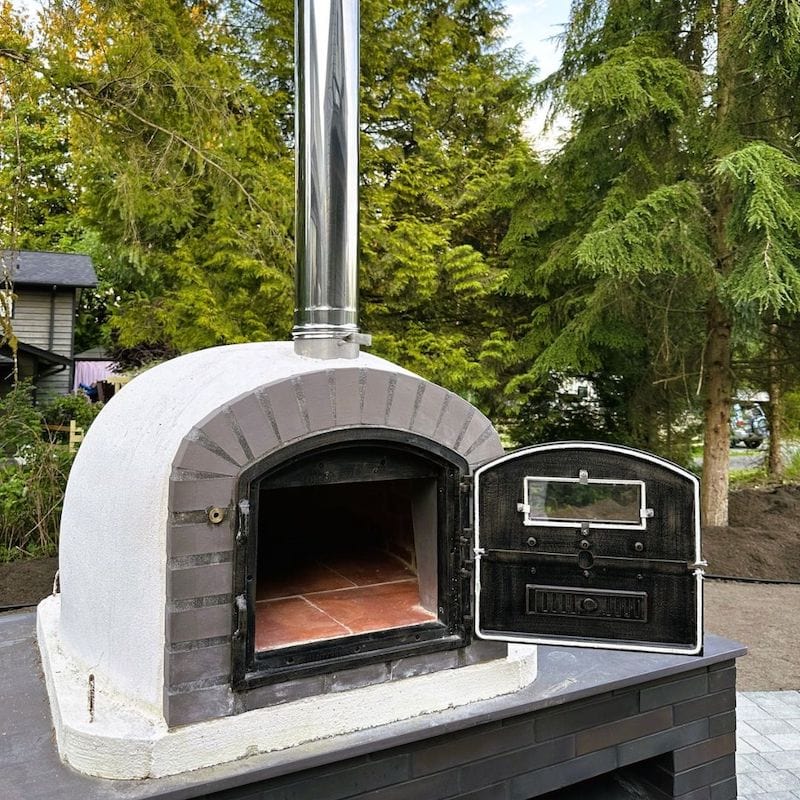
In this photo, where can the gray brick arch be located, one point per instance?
(205, 472)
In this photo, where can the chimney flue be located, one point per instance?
(326, 81)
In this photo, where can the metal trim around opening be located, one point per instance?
(250, 670)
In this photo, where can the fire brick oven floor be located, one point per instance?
(337, 596)
(576, 707)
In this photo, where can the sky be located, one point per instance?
(533, 25)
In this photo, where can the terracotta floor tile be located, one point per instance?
(367, 568)
(293, 620)
(370, 608)
(299, 579)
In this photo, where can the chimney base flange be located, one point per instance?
(332, 347)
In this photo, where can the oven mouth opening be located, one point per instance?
(345, 559)
(351, 555)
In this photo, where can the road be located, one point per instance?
(741, 458)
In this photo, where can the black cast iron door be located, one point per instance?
(588, 544)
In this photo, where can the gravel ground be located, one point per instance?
(765, 618)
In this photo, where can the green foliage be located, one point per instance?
(442, 103)
(61, 410)
(791, 416)
(750, 478)
(31, 495)
(636, 81)
(21, 422)
(180, 128)
(550, 414)
(791, 472)
(32, 483)
(769, 32)
(37, 190)
(661, 233)
(765, 224)
(675, 190)
(186, 182)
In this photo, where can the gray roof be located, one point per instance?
(93, 354)
(49, 269)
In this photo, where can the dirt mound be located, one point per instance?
(26, 582)
(763, 538)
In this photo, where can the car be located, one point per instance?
(748, 425)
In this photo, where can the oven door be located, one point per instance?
(590, 545)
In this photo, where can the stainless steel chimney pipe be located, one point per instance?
(326, 120)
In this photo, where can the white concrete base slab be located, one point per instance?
(124, 741)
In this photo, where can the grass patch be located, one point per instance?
(750, 478)
(791, 471)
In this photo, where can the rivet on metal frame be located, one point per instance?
(215, 515)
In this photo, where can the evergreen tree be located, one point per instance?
(37, 195)
(184, 178)
(181, 119)
(672, 211)
(441, 107)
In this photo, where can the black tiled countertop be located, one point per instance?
(31, 770)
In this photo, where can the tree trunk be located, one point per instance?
(717, 370)
(716, 442)
(775, 457)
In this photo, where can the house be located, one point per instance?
(42, 307)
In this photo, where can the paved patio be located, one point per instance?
(768, 745)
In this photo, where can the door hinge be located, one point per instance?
(465, 484)
(244, 521)
(240, 605)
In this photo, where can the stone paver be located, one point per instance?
(768, 745)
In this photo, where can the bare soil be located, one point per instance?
(762, 541)
(763, 538)
(26, 582)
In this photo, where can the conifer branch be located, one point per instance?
(177, 137)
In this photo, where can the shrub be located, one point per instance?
(31, 497)
(33, 472)
(21, 422)
(60, 410)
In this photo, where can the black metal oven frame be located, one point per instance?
(343, 452)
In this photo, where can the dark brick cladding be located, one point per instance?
(677, 732)
(199, 613)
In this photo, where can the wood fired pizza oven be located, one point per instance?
(301, 547)
(270, 544)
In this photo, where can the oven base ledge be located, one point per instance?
(124, 741)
